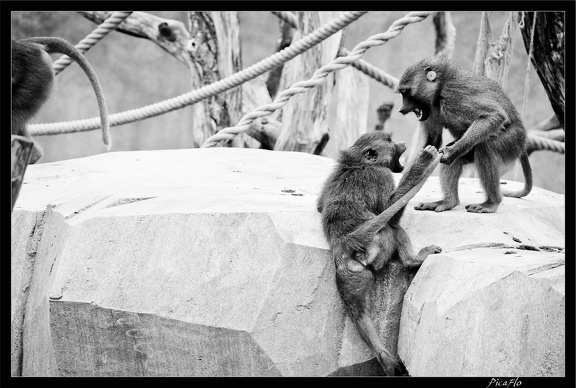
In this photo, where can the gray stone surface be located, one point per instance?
(486, 312)
(212, 262)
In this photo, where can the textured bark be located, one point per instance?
(287, 32)
(215, 47)
(265, 129)
(305, 117)
(445, 33)
(548, 54)
(170, 35)
(351, 110)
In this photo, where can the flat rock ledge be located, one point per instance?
(212, 262)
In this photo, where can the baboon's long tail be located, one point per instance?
(364, 233)
(527, 170)
(59, 45)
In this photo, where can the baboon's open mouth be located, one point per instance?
(421, 114)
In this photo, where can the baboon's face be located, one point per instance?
(419, 87)
(377, 148)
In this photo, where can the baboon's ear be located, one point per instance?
(370, 154)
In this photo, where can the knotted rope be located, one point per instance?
(194, 96)
(94, 37)
(317, 78)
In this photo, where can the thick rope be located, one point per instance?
(541, 143)
(372, 71)
(94, 37)
(365, 67)
(194, 96)
(317, 78)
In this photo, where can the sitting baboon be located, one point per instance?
(360, 190)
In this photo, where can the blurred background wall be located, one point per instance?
(135, 72)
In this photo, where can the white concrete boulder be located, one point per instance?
(212, 262)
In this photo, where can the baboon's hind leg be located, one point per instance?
(489, 175)
(406, 251)
(352, 286)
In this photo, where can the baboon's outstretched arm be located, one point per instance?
(414, 175)
(478, 132)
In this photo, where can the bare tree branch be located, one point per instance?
(171, 35)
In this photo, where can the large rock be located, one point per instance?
(212, 262)
(486, 312)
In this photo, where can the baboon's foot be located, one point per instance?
(438, 206)
(430, 250)
(486, 207)
(422, 255)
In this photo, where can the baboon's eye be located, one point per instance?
(371, 154)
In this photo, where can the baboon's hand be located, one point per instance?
(448, 155)
(428, 153)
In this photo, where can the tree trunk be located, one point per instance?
(305, 117)
(445, 34)
(287, 32)
(548, 54)
(351, 110)
(21, 151)
(215, 49)
(265, 129)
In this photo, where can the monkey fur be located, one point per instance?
(32, 80)
(360, 188)
(487, 128)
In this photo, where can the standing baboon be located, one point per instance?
(361, 188)
(32, 79)
(486, 125)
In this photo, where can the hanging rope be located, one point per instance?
(497, 62)
(530, 53)
(365, 67)
(94, 37)
(492, 58)
(194, 96)
(317, 78)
